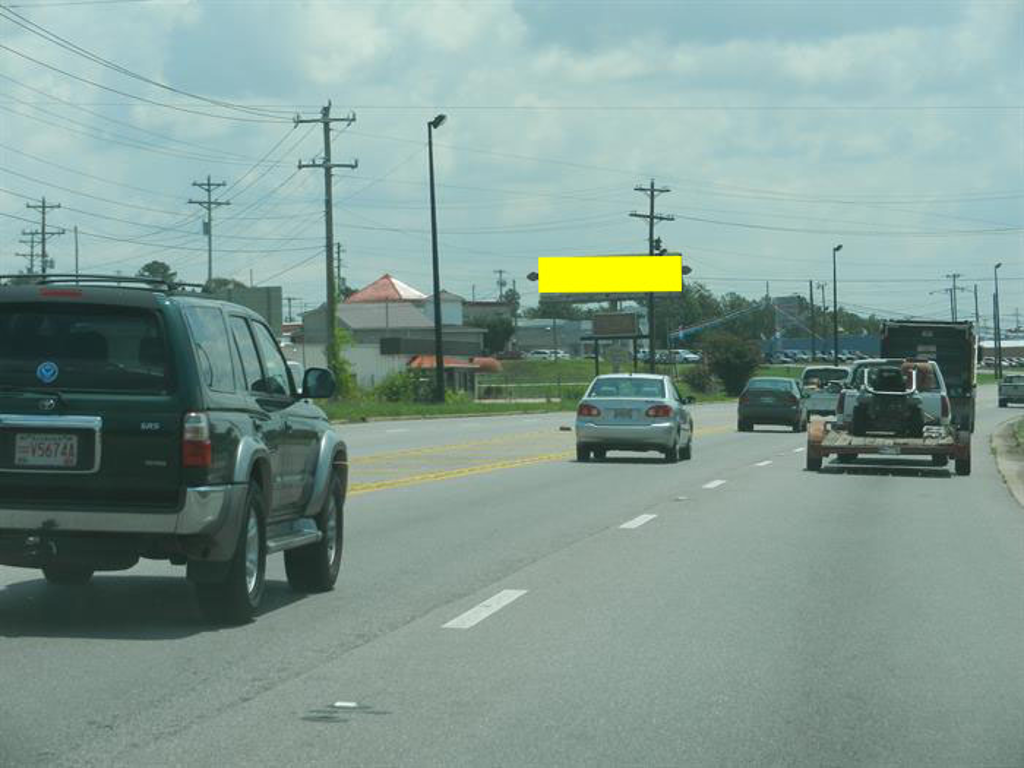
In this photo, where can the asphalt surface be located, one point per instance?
(492, 610)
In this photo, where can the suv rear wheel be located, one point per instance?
(235, 600)
(65, 574)
(314, 568)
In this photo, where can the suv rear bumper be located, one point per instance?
(205, 510)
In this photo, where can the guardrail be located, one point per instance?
(544, 390)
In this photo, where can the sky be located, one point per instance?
(780, 128)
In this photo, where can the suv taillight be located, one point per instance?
(586, 409)
(196, 450)
(841, 404)
(659, 410)
(945, 407)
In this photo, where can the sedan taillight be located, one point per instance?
(841, 404)
(196, 449)
(656, 411)
(586, 409)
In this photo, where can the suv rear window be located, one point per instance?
(82, 347)
(779, 385)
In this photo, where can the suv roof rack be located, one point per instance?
(136, 282)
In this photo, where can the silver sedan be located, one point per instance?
(634, 412)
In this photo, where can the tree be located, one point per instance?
(732, 359)
(215, 284)
(158, 270)
(499, 330)
(511, 297)
(563, 310)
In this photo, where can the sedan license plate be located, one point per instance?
(889, 450)
(45, 450)
(623, 413)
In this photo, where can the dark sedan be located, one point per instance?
(772, 400)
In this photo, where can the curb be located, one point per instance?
(1010, 458)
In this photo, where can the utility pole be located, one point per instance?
(810, 294)
(952, 315)
(325, 120)
(43, 232)
(977, 315)
(31, 255)
(290, 299)
(652, 218)
(208, 205)
(501, 282)
(952, 294)
(76, 250)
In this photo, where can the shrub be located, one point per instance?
(732, 360)
(699, 379)
(405, 387)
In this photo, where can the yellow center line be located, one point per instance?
(360, 488)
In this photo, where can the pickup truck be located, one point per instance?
(1011, 389)
(823, 384)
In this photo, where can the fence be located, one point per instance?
(508, 391)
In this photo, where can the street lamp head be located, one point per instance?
(438, 121)
(838, 248)
(998, 265)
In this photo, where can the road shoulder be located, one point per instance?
(1009, 453)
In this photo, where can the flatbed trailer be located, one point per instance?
(942, 445)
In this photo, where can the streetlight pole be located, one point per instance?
(996, 324)
(835, 308)
(437, 122)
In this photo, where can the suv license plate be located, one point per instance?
(45, 450)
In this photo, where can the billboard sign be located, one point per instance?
(610, 278)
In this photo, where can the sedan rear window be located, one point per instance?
(626, 386)
(82, 347)
(779, 385)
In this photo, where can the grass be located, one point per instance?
(363, 410)
(1018, 431)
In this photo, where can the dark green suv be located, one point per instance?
(140, 420)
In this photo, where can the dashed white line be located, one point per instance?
(798, 450)
(474, 616)
(764, 463)
(395, 431)
(637, 521)
(713, 484)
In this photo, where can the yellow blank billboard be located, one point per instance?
(610, 274)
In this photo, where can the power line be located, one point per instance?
(67, 45)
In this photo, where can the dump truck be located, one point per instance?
(953, 345)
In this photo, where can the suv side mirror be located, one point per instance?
(318, 383)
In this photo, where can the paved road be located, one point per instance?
(494, 610)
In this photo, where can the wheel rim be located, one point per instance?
(252, 553)
(331, 530)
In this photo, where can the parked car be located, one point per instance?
(634, 412)
(772, 400)
(685, 356)
(1011, 389)
(823, 384)
(540, 354)
(137, 421)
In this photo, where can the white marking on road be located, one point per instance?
(682, 498)
(713, 484)
(474, 616)
(798, 450)
(345, 705)
(764, 463)
(637, 521)
(395, 431)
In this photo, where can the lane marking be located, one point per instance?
(395, 431)
(446, 447)
(764, 463)
(713, 484)
(798, 450)
(637, 521)
(359, 488)
(474, 616)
